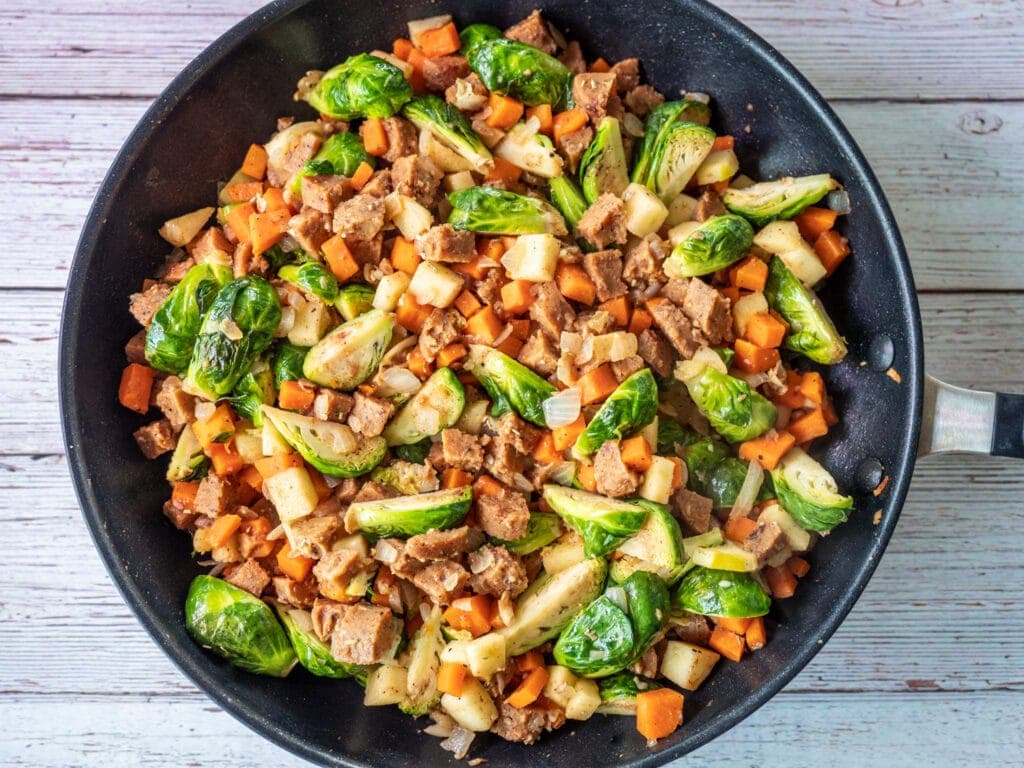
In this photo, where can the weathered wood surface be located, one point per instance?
(929, 667)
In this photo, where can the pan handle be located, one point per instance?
(967, 420)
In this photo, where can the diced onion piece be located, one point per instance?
(400, 380)
(633, 125)
(418, 26)
(458, 742)
(618, 596)
(180, 231)
(435, 284)
(748, 491)
(562, 408)
(645, 213)
(466, 98)
(703, 98)
(839, 201)
(708, 356)
(608, 347)
(720, 165)
(411, 218)
(564, 473)
(390, 290)
(571, 343)
(533, 258)
(745, 308)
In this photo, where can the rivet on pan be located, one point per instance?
(869, 473)
(881, 352)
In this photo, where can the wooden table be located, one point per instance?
(929, 667)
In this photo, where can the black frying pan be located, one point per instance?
(230, 96)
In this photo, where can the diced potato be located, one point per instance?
(650, 433)
(687, 665)
(561, 685)
(613, 347)
(292, 493)
(435, 284)
(455, 652)
(742, 182)
(799, 540)
(272, 440)
(312, 320)
(453, 182)
(385, 685)
(486, 655)
(727, 557)
(645, 213)
(752, 304)
(681, 231)
(683, 208)
(411, 218)
(783, 239)
(585, 700)
(562, 554)
(418, 26)
(720, 165)
(473, 709)
(182, 230)
(356, 542)
(249, 444)
(390, 290)
(533, 258)
(657, 481)
(472, 418)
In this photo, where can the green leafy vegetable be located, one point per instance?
(172, 333)
(714, 245)
(656, 547)
(723, 484)
(659, 121)
(312, 277)
(619, 692)
(361, 86)
(647, 600)
(341, 154)
(255, 389)
(808, 492)
(436, 406)
(288, 363)
(671, 434)
(330, 447)
(415, 453)
(354, 300)
(603, 523)
(475, 34)
(542, 529)
(494, 211)
(782, 199)
(351, 353)
(631, 407)
(520, 70)
(568, 199)
(736, 411)
(603, 165)
(811, 332)
(450, 127)
(598, 642)
(511, 385)
(729, 594)
(312, 652)
(407, 516)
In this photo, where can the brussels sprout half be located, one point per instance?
(317, 441)
(241, 628)
(492, 211)
(436, 406)
(354, 300)
(648, 602)
(736, 411)
(349, 355)
(407, 516)
(658, 545)
(657, 125)
(672, 436)
(782, 199)
(474, 34)
(619, 692)
(722, 485)
(811, 332)
(598, 642)
(341, 154)
(542, 529)
(189, 461)
(701, 457)
(237, 328)
(361, 86)
(568, 199)
(288, 361)
(808, 492)
(603, 165)
(631, 407)
(511, 385)
(312, 652)
(603, 523)
(172, 333)
(450, 127)
(520, 70)
(255, 389)
(714, 245)
(728, 594)
(312, 277)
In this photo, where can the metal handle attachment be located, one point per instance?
(966, 420)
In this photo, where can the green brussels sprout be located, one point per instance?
(407, 478)
(276, 256)
(189, 461)
(340, 155)
(670, 161)
(349, 355)
(232, 623)
(319, 442)
(726, 354)
(727, 594)
(288, 363)
(598, 642)
(312, 652)
(256, 388)
(659, 121)
(406, 516)
(782, 199)
(542, 529)
(811, 332)
(492, 211)
(436, 406)
(568, 199)
(808, 492)
(736, 411)
(631, 407)
(237, 328)
(714, 245)
(701, 457)
(656, 547)
(172, 333)
(602, 522)
(312, 277)
(672, 436)
(361, 86)
(511, 385)
(354, 300)
(619, 692)
(723, 483)
(520, 70)
(648, 602)
(424, 663)
(603, 165)
(415, 453)
(550, 603)
(450, 127)
(475, 34)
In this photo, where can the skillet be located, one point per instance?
(229, 97)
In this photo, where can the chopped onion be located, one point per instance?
(459, 742)
(487, 262)
(703, 98)
(566, 370)
(442, 726)
(392, 354)
(276, 534)
(204, 410)
(839, 201)
(748, 491)
(218, 569)
(563, 473)
(633, 125)
(618, 596)
(506, 609)
(230, 329)
(287, 321)
(522, 482)
(400, 379)
(562, 408)
(341, 438)
(571, 343)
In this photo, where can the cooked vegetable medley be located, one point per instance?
(489, 386)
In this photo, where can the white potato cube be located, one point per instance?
(311, 322)
(681, 231)
(455, 652)
(657, 481)
(720, 165)
(683, 208)
(473, 709)
(272, 440)
(182, 230)
(486, 655)
(562, 554)
(783, 239)
(411, 218)
(687, 665)
(453, 182)
(292, 493)
(645, 213)
(745, 308)
(435, 284)
(385, 685)
(390, 290)
(585, 700)
(249, 444)
(533, 258)
(561, 685)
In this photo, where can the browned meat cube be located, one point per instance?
(671, 321)
(441, 72)
(417, 177)
(656, 352)
(445, 243)
(323, 192)
(250, 576)
(461, 450)
(504, 515)
(533, 30)
(692, 509)
(604, 222)
(370, 414)
(364, 634)
(613, 477)
(155, 439)
(145, 304)
(440, 329)
(441, 580)
(605, 269)
(551, 311)
(496, 571)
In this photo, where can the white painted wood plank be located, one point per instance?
(847, 48)
(952, 172)
(851, 731)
